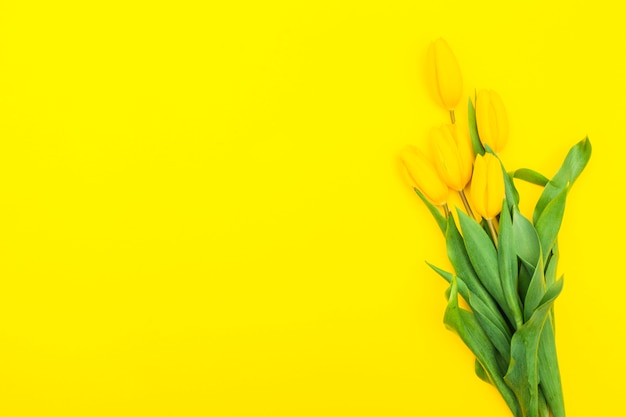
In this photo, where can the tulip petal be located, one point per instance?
(491, 120)
(424, 176)
(448, 158)
(495, 186)
(479, 180)
(448, 77)
(500, 121)
(465, 152)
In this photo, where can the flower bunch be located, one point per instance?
(504, 264)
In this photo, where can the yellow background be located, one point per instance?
(201, 212)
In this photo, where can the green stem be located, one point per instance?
(494, 234)
(446, 210)
(466, 203)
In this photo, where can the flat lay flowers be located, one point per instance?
(502, 270)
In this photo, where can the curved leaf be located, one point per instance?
(464, 323)
(462, 265)
(434, 210)
(484, 258)
(536, 290)
(549, 375)
(530, 176)
(473, 129)
(507, 265)
(481, 373)
(574, 163)
(551, 267)
(497, 331)
(522, 376)
(527, 245)
(549, 222)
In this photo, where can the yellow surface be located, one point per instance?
(201, 212)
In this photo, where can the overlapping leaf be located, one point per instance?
(523, 375)
(464, 323)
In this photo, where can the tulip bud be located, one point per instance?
(453, 156)
(487, 186)
(493, 125)
(445, 74)
(424, 176)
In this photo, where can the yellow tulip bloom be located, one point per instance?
(487, 186)
(493, 125)
(445, 74)
(453, 156)
(424, 175)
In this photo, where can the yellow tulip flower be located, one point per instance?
(487, 186)
(445, 74)
(453, 156)
(493, 125)
(424, 176)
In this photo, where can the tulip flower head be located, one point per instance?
(453, 156)
(493, 125)
(487, 186)
(424, 175)
(445, 74)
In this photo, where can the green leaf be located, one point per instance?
(481, 373)
(522, 376)
(494, 327)
(473, 129)
(536, 290)
(549, 375)
(448, 276)
(525, 275)
(484, 259)
(549, 222)
(462, 265)
(507, 265)
(527, 245)
(551, 267)
(434, 210)
(510, 192)
(487, 315)
(544, 411)
(530, 176)
(575, 161)
(464, 323)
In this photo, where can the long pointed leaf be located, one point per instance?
(448, 276)
(497, 331)
(462, 265)
(549, 375)
(574, 163)
(527, 244)
(522, 376)
(484, 259)
(549, 222)
(551, 268)
(473, 129)
(536, 290)
(434, 210)
(464, 323)
(481, 373)
(488, 317)
(507, 265)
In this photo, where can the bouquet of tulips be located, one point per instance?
(504, 264)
